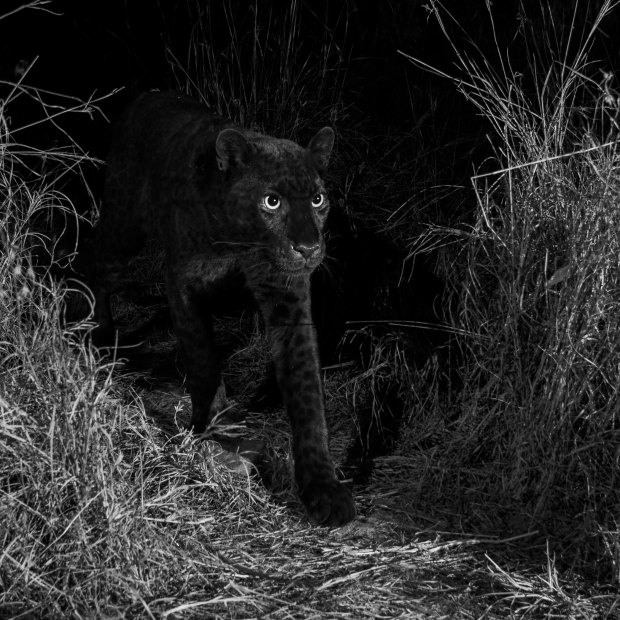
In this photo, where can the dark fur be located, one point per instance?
(197, 183)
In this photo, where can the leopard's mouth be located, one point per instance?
(297, 270)
(293, 263)
(298, 266)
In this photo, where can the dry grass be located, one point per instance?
(269, 69)
(530, 443)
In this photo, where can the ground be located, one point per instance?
(405, 556)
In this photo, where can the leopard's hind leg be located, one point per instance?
(193, 326)
(108, 257)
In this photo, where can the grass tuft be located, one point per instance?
(535, 282)
(99, 508)
(280, 70)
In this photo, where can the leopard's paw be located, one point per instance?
(329, 502)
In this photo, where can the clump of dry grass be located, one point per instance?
(268, 69)
(535, 441)
(98, 508)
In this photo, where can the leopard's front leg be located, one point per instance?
(293, 344)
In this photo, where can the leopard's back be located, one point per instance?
(151, 159)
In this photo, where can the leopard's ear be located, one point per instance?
(320, 148)
(232, 148)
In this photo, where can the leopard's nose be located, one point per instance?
(307, 250)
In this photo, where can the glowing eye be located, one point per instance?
(271, 201)
(318, 200)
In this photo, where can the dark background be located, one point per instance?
(83, 46)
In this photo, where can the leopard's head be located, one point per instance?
(277, 189)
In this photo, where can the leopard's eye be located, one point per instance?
(271, 202)
(318, 200)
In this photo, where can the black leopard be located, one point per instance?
(223, 199)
